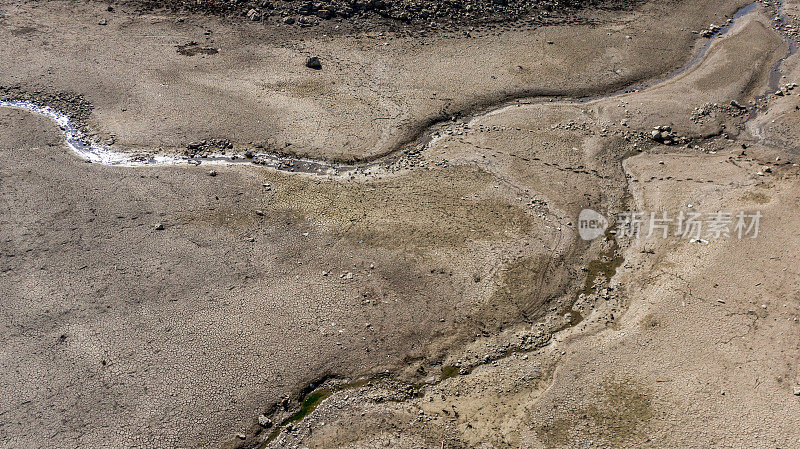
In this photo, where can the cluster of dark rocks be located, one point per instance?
(665, 135)
(208, 147)
(310, 12)
(711, 30)
(74, 105)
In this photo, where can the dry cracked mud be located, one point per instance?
(411, 272)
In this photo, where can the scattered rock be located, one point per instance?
(711, 30)
(422, 14)
(736, 105)
(663, 134)
(264, 421)
(159, 227)
(212, 173)
(314, 63)
(325, 14)
(254, 15)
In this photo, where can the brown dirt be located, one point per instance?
(453, 279)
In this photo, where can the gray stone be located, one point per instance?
(314, 63)
(254, 15)
(264, 421)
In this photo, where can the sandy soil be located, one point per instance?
(689, 345)
(452, 278)
(374, 94)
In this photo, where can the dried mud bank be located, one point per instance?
(376, 94)
(71, 114)
(514, 276)
(579, 385)
(462, 270)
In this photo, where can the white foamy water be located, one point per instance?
(106, 155)
(81, 146)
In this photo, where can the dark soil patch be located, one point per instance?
(423, 13)
(194, 49)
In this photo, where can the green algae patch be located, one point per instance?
(309, 404)
(449, 371)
